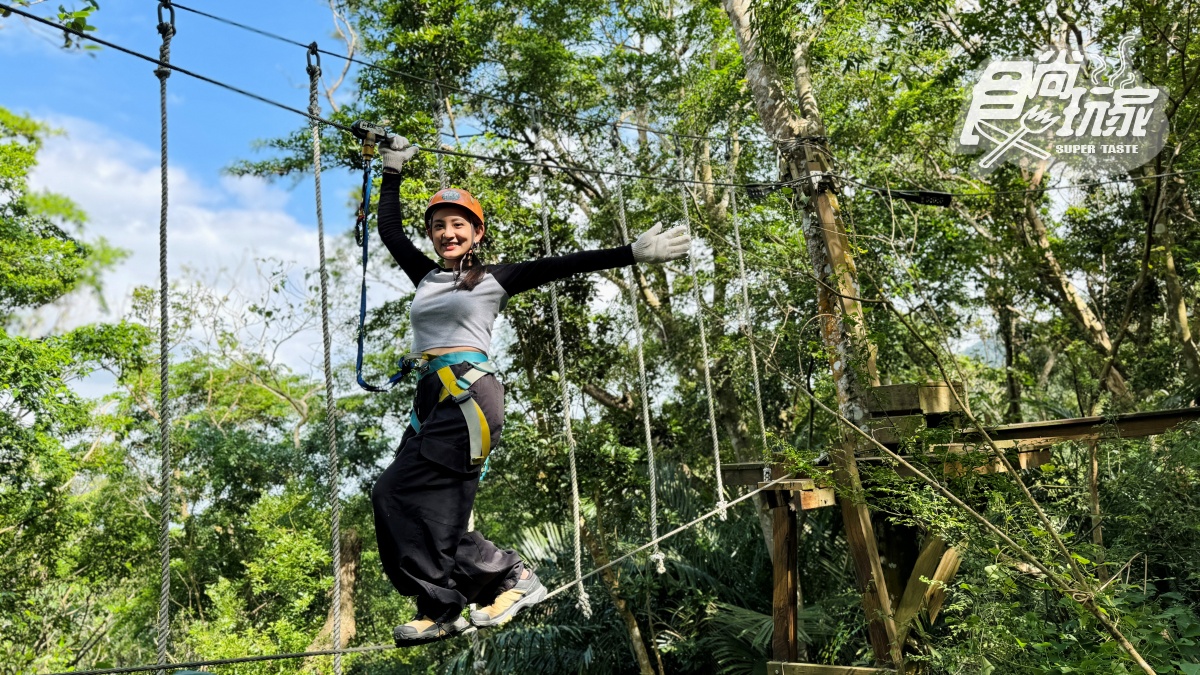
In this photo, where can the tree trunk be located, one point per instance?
(1176, 296)
(348, 575)
(842, 329)
(1070, 301)
(609, 576)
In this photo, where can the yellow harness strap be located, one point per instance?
(477, 424)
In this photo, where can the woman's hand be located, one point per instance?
(656, 246)
(395, 153)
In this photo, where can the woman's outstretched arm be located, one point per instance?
(391, 230)
(520, 277)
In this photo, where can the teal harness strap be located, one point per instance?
(480, 366)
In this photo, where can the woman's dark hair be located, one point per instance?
(470, 267)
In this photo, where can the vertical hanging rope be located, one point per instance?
(708, 385)
(167, 30)
(584, 603)
(746, 325)
(443, 183)
(335, 505)
(644, 390)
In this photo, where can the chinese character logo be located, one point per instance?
(1038, 110)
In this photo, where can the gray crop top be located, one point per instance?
(443, 315)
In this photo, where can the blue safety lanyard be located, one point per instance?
(363, 236)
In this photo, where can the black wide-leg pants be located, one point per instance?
(423, 504)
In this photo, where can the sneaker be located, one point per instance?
(527, 593)
(423, 630)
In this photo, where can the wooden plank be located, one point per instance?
(895, 399)
(782, 668)
(1132, 425)
(938, 398)
(785, 594)
(892, 429)
(914, 590)
(817, 498)
(935, 595)
(750, 473)
(743, 473)
(789, 484)
(868, 570)
(1034, 458)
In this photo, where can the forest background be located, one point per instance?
(1048, 304)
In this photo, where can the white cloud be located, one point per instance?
(218, 227)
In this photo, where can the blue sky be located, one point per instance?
(209, 127)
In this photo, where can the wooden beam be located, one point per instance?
(818, 498)
(1131, 425)
(785, 594)
(915, 590)
(749, 473)
(782, 668)
(935, 595)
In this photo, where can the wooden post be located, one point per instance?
(852, 360)
(786, 593)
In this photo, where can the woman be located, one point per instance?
(423, 500)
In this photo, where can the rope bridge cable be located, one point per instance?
(342, 127)
(670, 180)
(584, 603)
(387, 647)
(708, 385)
(167, 30)
(599, 123)
(639, 339)
(335, 507)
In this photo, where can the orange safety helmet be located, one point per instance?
(454, 197)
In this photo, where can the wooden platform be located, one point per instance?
(782, 668)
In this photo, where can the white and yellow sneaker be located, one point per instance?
(423, 630)
(527, 593)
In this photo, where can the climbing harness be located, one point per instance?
(314, 108)
(585, 604)
(167, 30)
(459, 389)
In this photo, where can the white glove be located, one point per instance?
(396, 152)
(656, 246)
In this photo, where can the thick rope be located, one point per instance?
(746, 325)
(167, 30)
(335, 505)
(643, 388)
(585, 604)
(708, 385)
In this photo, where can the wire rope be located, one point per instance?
(536, 110)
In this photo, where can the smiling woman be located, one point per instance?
(423, 500)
